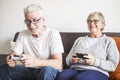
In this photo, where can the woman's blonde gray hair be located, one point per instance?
(99, 14)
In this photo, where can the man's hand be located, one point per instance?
(10, 62)
(29, 61)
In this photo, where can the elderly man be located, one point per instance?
(40, 49)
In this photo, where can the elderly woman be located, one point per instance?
(92, 56)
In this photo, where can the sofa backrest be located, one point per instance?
(68, 39)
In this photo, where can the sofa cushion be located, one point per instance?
(116, 74)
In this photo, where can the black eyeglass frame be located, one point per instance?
(95, 21)
(34, 21)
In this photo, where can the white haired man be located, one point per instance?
(41, 49)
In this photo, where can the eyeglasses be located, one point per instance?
(34, 21)
(95, 21)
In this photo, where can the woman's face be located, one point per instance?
(94, 24)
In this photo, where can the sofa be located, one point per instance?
(68, 39)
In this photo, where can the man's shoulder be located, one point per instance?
(24, 33)
(52, 31)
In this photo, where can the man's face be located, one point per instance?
(34, 22)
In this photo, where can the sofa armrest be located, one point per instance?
(116, 74)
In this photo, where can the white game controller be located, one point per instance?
(15, 57)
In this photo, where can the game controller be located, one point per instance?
(80, 55)
(15, 57)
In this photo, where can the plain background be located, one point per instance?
(63, 15)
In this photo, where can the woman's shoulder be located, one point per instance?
(108, 38)
(81, 38)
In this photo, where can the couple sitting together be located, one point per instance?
(43, 48)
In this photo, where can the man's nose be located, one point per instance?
(31, 25)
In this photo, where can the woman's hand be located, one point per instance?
(89, 59)
(75, 59)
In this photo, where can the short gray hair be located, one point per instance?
(99, 14)
(33, 8)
